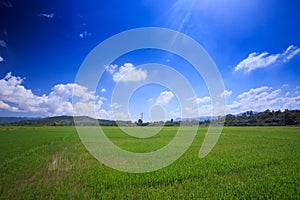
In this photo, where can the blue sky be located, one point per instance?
(255, 45)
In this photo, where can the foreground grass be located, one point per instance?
(247, 162)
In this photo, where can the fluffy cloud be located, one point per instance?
(5, 106)
(11, 91)
(256, 60)
(202, 110)
(256, 99)
(111, 68)
(226, 93)
(1, 59)
(164, 97)
(205, 107)
(115, 106)
(199, 109)
(126, 73)
(202, 100)
(15, 97)
(262, 98)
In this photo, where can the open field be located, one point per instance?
(247, 162)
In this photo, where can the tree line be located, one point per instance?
(249, 118)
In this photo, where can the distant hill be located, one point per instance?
(266, 118)
(4, 120)
(249, 118)
(252, 118)
(64, 121)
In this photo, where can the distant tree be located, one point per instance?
(244, 115)
(140, 122)
(287, 118)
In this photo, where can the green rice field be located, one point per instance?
(246, 163)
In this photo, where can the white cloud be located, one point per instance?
(11, 91)
(206, 110)
(173, 114)
(1, 59)
(203, 107)
(201, 110)
(256, 60)
(2, 43)
(104, 114)
(15, 97)
(111, 69)
(290, 52)
(164, 97)
(256, 99)
(253, 92)
(115, 106)
(103, 90)
(5, 106)
(46, 15)
(202, 100)
(226, 93)
(262, 98)
(112, 115)
(126, 73)
(121, 116)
